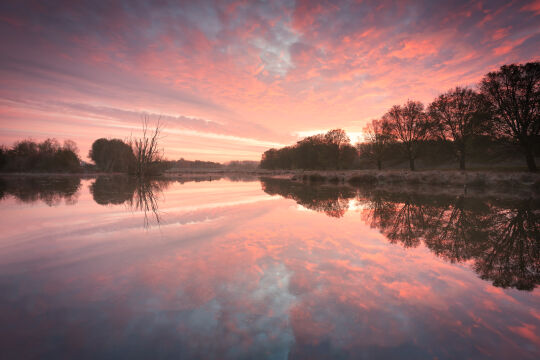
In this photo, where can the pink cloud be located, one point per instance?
(264, 72)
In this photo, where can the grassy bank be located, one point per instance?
(474, 180)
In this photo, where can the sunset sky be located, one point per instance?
(231, 79)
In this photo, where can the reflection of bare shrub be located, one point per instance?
(145, 199)
(138, 194)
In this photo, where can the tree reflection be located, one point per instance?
(50, 190)
(114, 190)
(500, 238)
(512, 257)
(458, 231)
(331, 200)
(138, 194)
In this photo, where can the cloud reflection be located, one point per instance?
(261, 280)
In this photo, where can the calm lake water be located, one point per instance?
(264, 269)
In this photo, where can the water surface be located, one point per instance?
(231, 268)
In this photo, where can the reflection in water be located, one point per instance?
(50, 190)
(137, 194)
(332, 200)
(233, 273)
(113, 190)
(502, 238)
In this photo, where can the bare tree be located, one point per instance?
(339, 151)
(377, 139)
(514, 92)
(146, 149)
(458, 115)
(408, 125)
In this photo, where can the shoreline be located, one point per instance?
(473, 180)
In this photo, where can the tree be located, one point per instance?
(514, 93)
(377, 140)
(268, 159)
(408, 124)
(309, 152)
(46, 156)
(336, 142)
(112, 155)
(459, 115)
(3, 156)
(332, 150)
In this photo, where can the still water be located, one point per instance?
(264, 269)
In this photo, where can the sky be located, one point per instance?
(231, 79)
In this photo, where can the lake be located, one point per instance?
(247, 268)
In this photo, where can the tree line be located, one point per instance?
(183, 164)
(332, 150)
(141, 156)
(46, 156)
(504, 113)
(137, 156)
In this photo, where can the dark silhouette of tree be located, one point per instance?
(3, 156)
(196, 164)
(514, 93)
(336, 141)
(459, 115)
(46, 156)
(309, 153)
(377, 140)
(269, 159)
(332, 150)
(112, 155)
(407, 123)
